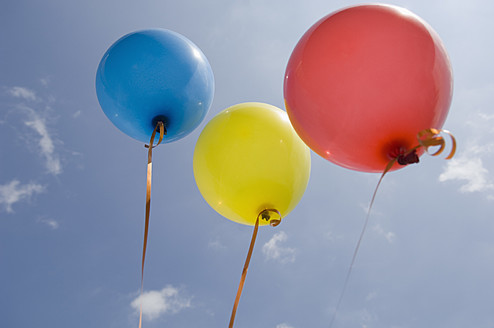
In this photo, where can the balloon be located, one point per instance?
(155, 75)
(363, 81)
(248, 159)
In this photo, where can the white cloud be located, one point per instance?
(45, 81)
(216, 245)
(37, 122)
(49, 222)
(469, 166)
(14, 192)
(46, 146)
(486, 116)
(331, 236)
(389, 235)
(273, 251)
(469, 169)
(24, 93)
(284, 325)
(371, 296)
(158, 302)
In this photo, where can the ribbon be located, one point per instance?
(430, 137)
(264, 215)
(150, 147)
(426, 138)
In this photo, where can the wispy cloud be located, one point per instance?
(469, 168)
(13, 192)
(45, 81)
(216, 245)
(36, 120)
(49, 222)
(272, 250)
(284, 325)
(23, 93)
(389, 235)
(371, 296)
(160, 302)
(46, 146)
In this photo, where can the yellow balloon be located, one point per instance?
(249, 159)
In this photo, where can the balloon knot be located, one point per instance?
(160, 126)
(410, 157)
(266, 216)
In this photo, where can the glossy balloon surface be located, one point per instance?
(247, 159)
(363, 81)
(153, 75)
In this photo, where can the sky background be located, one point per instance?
(72, 186)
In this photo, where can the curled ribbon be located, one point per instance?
(431, 137)
(162, 128)
(264, 215)
(267, 217)
(150, 147)
(426, 138)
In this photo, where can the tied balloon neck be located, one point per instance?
(267, 215)
(159, 128)
(409, 157)
(164, 127)
(157, 119)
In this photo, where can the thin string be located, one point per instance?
(357, 247)
(148, 203)
(426, 138)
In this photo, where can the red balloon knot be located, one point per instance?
(410, 157)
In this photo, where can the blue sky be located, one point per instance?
(72, 186)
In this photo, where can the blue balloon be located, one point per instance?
(155, 75)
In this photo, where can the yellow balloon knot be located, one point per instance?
(267, 214)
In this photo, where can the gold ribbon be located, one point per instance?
(150, 147)
(264, 215)
(426, 138)
(431, 137)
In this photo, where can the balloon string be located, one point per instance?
(150, 147)
(426, 138)
(357, 247)
(273, 222)
(244, 273)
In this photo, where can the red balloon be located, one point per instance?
(363, 81)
